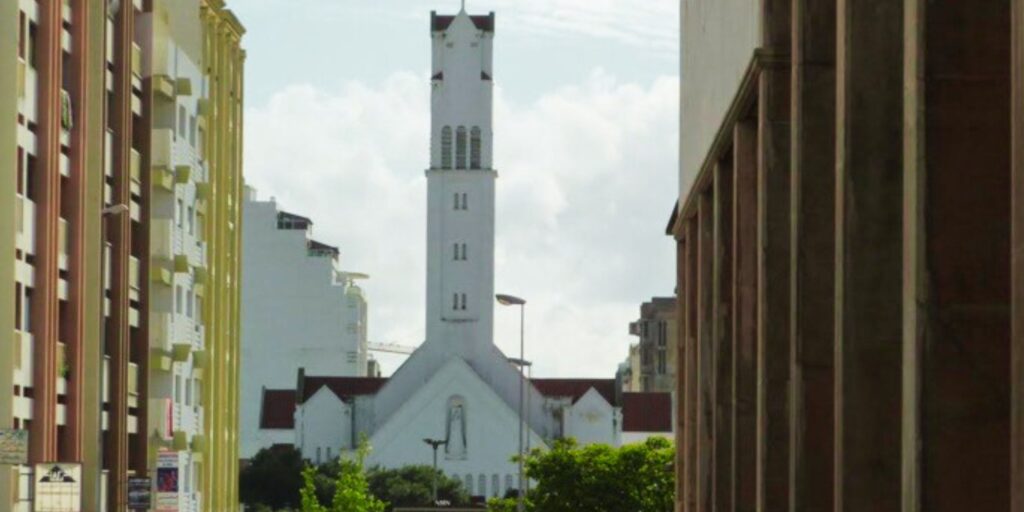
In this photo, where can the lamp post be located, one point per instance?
(435, 444)
(522, 363)
(511, 300)
(105, 214)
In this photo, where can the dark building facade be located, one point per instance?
(850, 241)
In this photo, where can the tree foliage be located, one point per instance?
(410, 486)
(599, 478)
(351, 489)
(272, 479)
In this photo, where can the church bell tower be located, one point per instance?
(460, 186)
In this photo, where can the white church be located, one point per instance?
(458, 387)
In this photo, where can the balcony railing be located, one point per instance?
(135, 168)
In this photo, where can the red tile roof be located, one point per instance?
(439, 23)
(576, 388)
(278, 409)
(343, 387)
(647, 412)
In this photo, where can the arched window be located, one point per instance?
(463, 301)
(456, 447)
(483, 485)
(455, 249)
(446, 147)
(474, 148)
(458, 204)
(509, 485)
(465, 201)
(455, 302)
(495, 485)
(460, 148)
(469, 484)
(464, 257)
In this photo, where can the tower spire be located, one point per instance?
(463, 6)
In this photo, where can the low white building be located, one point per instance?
(299, 310)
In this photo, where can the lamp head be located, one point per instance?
(509, 300)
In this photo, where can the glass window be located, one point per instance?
(191, 221)
(460, 148)
(446, 147)
(495, 484)
(474, 148)
(483, 484)
(178, 300)
(182, 120)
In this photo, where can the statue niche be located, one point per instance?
(455, 429)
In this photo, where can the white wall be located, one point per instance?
(718, 41)
(296, 312)
(593, 420)
(323, 426)
(492, 428)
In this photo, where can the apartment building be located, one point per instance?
(850, 237)
(652, 364)
(291, 278)
(91, 89)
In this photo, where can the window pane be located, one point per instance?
(474, 148)
(460, 148)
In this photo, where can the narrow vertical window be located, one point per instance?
(464, 258)
(460, 148)
(457, 202)
(474, 148)
(455, 302)
(463, 301)
(446, 147)
(455, 250)
(465, 201)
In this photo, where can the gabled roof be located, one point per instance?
(647, 412)
(342, 387)
(278, 409)
(441, 23)
(575, 388)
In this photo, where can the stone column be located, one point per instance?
(744, 331)
(705, 359)
(812, 255)
(722, 305)
(868, 308)
(1017, 274)
(773, 284)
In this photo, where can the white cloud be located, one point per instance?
(587, 179)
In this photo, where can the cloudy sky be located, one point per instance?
(337, 126)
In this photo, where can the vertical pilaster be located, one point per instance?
(744, 292)
(1017, 274)
(869, 193)
(8, 228)
(812, 255)
(705, 351)
(957, 147)
(773, 286)
(692, 336)
(679, 345)
(45, 326)
(722, 313)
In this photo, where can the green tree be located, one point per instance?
(272, 479)
(351, 489)
(599, 478)
(410, 486)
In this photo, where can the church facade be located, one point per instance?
(458, 387)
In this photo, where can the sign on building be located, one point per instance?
(140, 493)
(58, 487)
(167, 481)
(13, 446)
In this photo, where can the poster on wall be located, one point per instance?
(13, 446)
(167, 481)
(58, 487)
(139, 493)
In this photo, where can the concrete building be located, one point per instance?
(850, 235)
(290, 279)
(89, 89)
(651, 365)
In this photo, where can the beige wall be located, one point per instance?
(712, 68)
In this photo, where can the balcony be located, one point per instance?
(136, 67)
(133, 385)
(63, 243)
(161, 148)
(21, 77)
(23, 358)
(162, 239)
(135, 168)
(161, 419)
(63, 368)
(160, 274)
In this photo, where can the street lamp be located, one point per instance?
(435, 444)
(105, 214)
(512, 300)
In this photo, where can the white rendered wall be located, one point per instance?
(324, 422)
(593, 420)
(295, 314)
(718, 41)
(492, 433)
